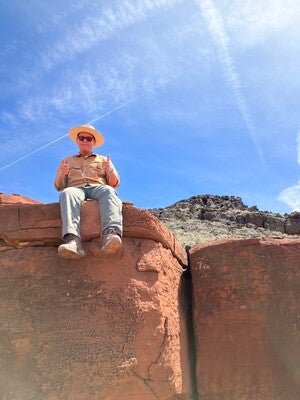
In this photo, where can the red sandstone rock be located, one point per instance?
(40, 224)
(246, 319)
(16, 199)
(106, 328)
(98, 328)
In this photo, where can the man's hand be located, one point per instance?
(107, 166)
(111, 173)
(64, 167)
(61, 175)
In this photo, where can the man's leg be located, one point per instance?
(70, 201)
(110, 208)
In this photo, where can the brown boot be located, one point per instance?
(111, 241)
(72, 249)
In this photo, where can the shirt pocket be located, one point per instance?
(75, 173)
(95, 170)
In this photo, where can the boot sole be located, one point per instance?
(68, 254)
(112, 246)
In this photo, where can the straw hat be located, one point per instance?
(73, 133)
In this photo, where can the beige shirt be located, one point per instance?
(86, 170)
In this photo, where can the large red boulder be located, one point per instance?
(246, 312)
(106, 328)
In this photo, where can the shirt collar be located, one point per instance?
(80, 155)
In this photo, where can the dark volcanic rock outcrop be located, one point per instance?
(206, 217)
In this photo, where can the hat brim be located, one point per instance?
(73, 133)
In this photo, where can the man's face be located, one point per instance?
(84, 142)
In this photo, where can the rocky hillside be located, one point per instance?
(206, 217)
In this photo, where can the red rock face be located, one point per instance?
(16, 199)
(40, 224)
(98, 328)
(95, 328)
(115, 328)
(246, 319)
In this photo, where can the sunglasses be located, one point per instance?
(87, 138)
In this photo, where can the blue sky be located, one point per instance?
(192, 96)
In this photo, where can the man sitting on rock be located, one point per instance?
(83, 176)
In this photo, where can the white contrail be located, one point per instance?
(217, 29)
(94, 120)
(33, 152)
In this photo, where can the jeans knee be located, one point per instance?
(109, 189)
(105, 192)
(65, 193)
(70, 193)
(62, 195)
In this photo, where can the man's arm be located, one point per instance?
(112, 176)
(61, 177)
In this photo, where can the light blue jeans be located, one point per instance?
(110, 207)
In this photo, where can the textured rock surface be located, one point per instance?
(246, 319)
(98, 328)
(15, 199)
(117, 328)
(205, 218)
(40, 224)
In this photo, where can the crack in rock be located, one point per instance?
(162, 347)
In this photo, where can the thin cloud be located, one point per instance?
(77, 38)
(217, 29)
(298, 147)
(97, 86)
(252, 22)
(93, 30)
(291, 195)
(90, 90)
